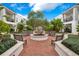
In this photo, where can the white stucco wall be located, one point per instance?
(75, 20)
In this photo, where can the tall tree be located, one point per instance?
(36, 15)
(35, 19)
(4, 27)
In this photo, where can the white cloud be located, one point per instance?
(45, 6)
(13, 5)
(37, 6)
(31, 4)
(50, 6)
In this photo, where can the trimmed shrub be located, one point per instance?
(29, 27)
(5, 37)
(20, 27)
(4, 27)
(72, 42)
(5, 45)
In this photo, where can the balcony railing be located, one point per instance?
(10, 20)
(68, 19)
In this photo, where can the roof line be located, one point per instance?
(8, 9)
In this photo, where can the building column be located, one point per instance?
(14, 27)
(15, 22)
(3, 13)
(63, 17)
(75, 20)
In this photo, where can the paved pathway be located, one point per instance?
(38, 48)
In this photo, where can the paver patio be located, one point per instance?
(38, 48)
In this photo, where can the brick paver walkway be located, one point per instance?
(38, 48)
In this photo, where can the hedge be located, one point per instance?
(72, 42)
(5, 45)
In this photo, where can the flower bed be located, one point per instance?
(72, 42)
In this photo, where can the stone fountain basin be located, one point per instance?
(39, 37)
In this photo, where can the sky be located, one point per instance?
(50, 10)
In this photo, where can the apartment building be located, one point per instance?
(70, 19)
(10, 17)
(20, 18)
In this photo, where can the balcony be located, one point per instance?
(68, 19)
(10, 16)
(10, 20)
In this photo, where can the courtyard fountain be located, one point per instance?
(39, 34)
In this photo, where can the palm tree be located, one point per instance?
(57, 24)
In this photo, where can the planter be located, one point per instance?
(62, 50)
(15, 50)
